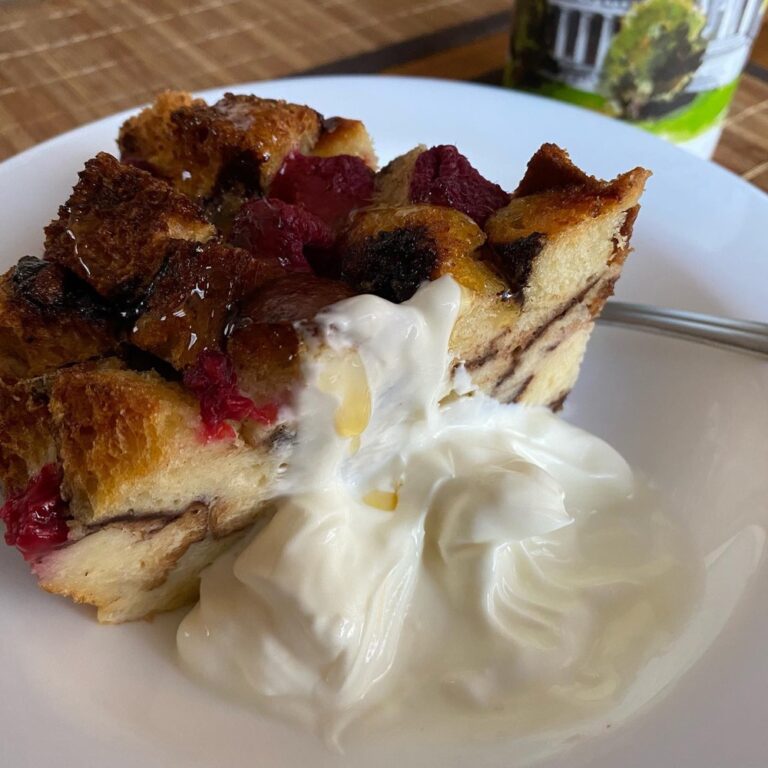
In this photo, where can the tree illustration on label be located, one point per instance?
(653, 57)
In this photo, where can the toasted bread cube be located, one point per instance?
(561, 230)
(147, 139)
(560, 245)
(551, 168)
(47, 319)
(341, 136)
(264, 346)
(113, 230)
(267, 359)
(191, 300)
(240, 141)
(130, 445)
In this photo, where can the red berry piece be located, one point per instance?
(213, 380)
(36, 518)
(273, 229)
(443, 176)
(329, 187)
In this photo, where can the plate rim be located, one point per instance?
(13, 164)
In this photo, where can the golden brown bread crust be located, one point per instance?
(551, 168)
(238, 141)
(191, 300)
(114, 427)
(46, 322)
(341, 136)
(553, 211)
(131, 445)
(147, 139)
(555, 194)
(113, 230)
(559, 245)
(549, 243)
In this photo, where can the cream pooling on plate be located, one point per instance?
(434, 551)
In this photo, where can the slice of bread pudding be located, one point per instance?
(149, 360)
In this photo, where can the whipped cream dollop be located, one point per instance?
(435, 555)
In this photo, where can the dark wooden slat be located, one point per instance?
(416, 48)
(756, 70)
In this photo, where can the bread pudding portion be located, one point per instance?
(113, 230)
(150, 360)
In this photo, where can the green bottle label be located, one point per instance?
(669, 66)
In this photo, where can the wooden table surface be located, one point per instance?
(66, 62)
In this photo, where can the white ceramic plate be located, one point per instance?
(695, 419)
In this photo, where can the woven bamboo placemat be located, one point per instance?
(66, 62)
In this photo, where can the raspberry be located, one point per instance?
(443, 176)
(36, 518)
(329, 187)
(213, 380)
(273, 229)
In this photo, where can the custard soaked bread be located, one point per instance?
(549, 259)
(560, 244)
(149, 362)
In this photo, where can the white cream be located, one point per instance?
(435, 555)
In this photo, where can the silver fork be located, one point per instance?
(747, 336)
